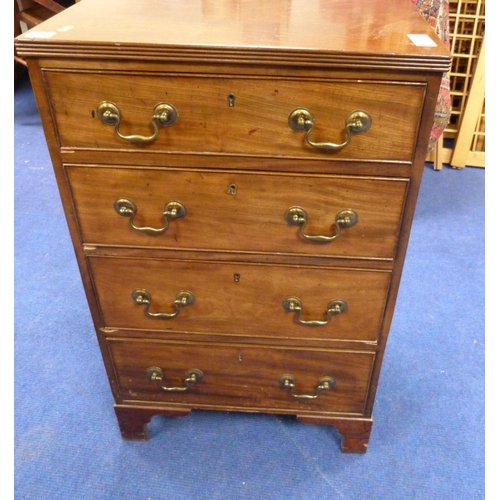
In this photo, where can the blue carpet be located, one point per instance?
(428, 436)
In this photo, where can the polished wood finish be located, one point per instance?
(237, 169)
(257, 123)
(240, 298)
(249, 220)
(133, 420)
(239, 377)
(357, 34)
(354, 432)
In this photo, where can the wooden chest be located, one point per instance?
(239, 180)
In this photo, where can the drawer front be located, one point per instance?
(240, 299)
(232, 211)
(241, 376)
(256, 123)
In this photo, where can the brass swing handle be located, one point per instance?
(173, 210)
(155, 374)
(163, 114)
(143, 297)
(334, 307)
(324, 384)
(302, 120)
(297, 216)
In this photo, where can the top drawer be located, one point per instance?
(243, 116)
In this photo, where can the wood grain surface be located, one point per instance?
(307, 32)
(242, 376)
(237, 169)
(256, 124)
(251, 220)
(251, 306)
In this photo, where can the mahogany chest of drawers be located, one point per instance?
(239, 180)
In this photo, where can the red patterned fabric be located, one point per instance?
(437, 12)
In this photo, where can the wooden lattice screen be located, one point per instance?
(463, 141)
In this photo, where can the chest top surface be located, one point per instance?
(374, 31)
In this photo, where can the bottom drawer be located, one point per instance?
(232, 376)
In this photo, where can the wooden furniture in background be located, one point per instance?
(239, 183)
(30, 13)
(470, 140)
(463, 141)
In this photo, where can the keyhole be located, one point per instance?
(231, 98)
(237, 278)
(231, 189)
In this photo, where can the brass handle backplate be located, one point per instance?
(297, 216)
(183, 298)
(324, 384)
(334, 307)
(164, 115)
(302, 120)
(173, 210)
(155, 374)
